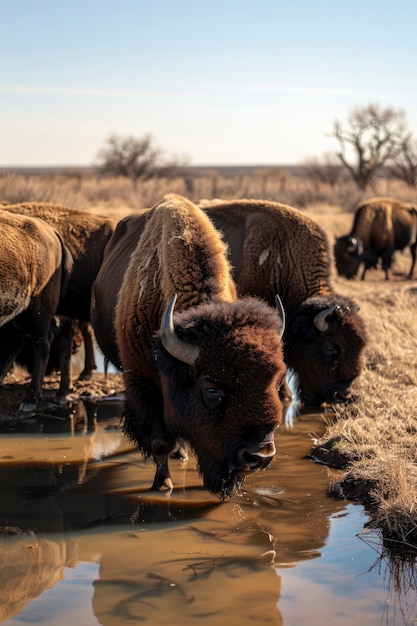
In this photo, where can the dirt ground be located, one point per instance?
(94, 392)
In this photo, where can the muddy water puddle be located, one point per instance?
(85, 542)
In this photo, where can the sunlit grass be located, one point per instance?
(377, 435)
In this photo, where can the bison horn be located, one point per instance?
(181, 350)
(353, 244)
(281, 313)
(320, 321)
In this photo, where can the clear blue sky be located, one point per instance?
(220, 81)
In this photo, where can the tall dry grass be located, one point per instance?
(115, 195)
(376, 436)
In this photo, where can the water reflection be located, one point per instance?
(396, 564)
(76, 512)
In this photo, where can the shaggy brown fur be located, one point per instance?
(34, 267)
(276, 249)
(86, 236)
(380, 226)
(225, 404)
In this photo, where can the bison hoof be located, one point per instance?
(85, 375)
(162, 484)
(61, 399)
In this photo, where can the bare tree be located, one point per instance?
(374, 135)
(325, 170)
(405, 163)
(136, 158)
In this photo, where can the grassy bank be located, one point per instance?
(375, 438)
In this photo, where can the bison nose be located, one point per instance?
(249, 459)
(338, 394)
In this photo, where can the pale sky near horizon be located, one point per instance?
(222, 82)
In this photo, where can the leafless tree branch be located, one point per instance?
(374, 135)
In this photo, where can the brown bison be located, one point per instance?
(34, 270)
(207, 374)
(276, 249)
(380, 226)
(86, 236)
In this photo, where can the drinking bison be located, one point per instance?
(380, 226)
(276, 249)
(208, 373)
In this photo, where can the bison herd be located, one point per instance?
(203, 308)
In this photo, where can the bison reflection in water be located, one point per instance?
(211, 377)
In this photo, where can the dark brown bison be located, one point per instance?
(86, 236)
(207, 374)
(380, 226)
(34, 271)
(276, 249)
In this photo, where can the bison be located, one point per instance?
(276, 249)
(86, 236)
(34, 269)
(207, 374)
(380, 226)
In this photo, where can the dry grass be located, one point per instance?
(376, 436)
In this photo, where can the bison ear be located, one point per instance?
(281, 314)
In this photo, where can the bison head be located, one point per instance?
(221, 365)
(324, 343)
(348, 251)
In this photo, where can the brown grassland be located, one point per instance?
(374, 438)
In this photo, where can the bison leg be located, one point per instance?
(386, 258)
(65, 336)
(41, 345)
(41, 348)
(11, 341)
(144, 425)
(413, 250)
(40, 315)
(162, 480)
(90, 360)
(161, 451)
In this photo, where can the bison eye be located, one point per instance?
(212, 394)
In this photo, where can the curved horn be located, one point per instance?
(181, 350)
(353, 244)
(320, 320)
(281, 313)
